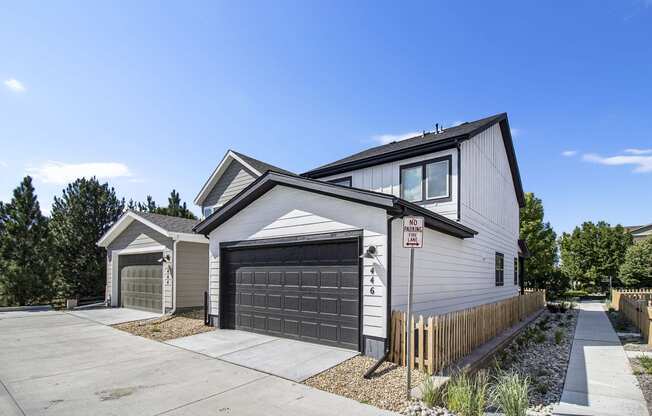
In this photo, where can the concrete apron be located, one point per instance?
(286, 358)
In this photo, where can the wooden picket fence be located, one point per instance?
(440, 340)
(639, 312)
(618, 294)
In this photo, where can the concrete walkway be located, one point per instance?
(599, 380)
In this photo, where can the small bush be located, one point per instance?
(467, 396)
(510, 394)
(646, 363)
(430, 394)
(575, 293)
(559, 336)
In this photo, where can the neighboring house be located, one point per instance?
(286, 251)
(640, 232)
(155, 263)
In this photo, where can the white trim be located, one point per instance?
(190, 238)
(217, 173)
(115, 254)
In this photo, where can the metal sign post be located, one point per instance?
(412, 238)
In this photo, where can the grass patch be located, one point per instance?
(510, 394)
(646, 363)
(467, 396)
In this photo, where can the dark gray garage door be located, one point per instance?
(141, 282)
(308, 292)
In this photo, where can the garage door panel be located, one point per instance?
(141, 282)
(309, 292)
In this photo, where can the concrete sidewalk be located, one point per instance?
(599, 380)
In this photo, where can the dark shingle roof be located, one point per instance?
(168, 223)
(464, 129)
(261, 166)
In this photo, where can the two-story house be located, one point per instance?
(319, 256)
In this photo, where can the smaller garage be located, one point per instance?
(155, 263)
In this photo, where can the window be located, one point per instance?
(207, 211)
(500, 269)
(515, 271)
(346, 181)
(426, 181)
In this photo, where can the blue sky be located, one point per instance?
(151, 95)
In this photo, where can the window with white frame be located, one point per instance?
(208, 211)
(427, 181)
(345, 181)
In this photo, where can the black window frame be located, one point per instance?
(423, 164)
(500, 272)
(337, 181)
(516, 271)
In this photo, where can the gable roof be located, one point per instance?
(256, 167)
(639, 229)
(176, 228)
(427, 143)
(390, 203)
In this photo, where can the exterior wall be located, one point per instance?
(137, 236)
(285, 211)
(234, 179)
(385, 178)
(192, 270)
(453, 274)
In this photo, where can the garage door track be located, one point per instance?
(290, 359)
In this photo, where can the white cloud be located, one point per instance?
(516, 131)
(643, 164)
(3, 164)
(388, 138)
(638, 151)
(569, 153)
(63, 173)
(14, 85)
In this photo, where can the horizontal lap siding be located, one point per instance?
(192, 274)
(453, 274)
(234, 179)
(136, 235)
(385, 178)
(285, 212)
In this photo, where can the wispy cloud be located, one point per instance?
(388, 138)
(456, 123)
(516, 131)
(63, 173)
(14, 85)
(569, 153)
(642, 164)
(3, 164)
(638, 151)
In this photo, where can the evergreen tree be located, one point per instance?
(175, 208)
(148, 206)
(636, 269)
(593, 253)
(541, 241)
(84, 212)
(24, 249)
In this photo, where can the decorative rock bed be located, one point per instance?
(165, 328)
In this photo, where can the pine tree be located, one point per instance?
(84, 212)
(175, 208)
(24, 249)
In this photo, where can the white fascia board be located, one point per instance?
(217, 173)
(189, 238)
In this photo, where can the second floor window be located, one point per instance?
(208, 211)
(500, 269)
(346, 181)
(426, 181)
(515, 271)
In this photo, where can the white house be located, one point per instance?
(285, 250)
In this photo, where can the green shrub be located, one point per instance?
(646, 363)
(539, 337)
(430, 394)
(510, 394)
(559, 336)
(575, 293)
(467, 396)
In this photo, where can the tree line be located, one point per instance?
(57, 257)
(589, 258)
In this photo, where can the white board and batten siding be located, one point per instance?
(283, 212)
(136, 236)
(385, 178)
(453, 274)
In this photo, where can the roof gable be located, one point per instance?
(255, 166)
(643, 230)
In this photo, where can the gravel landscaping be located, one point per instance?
(168, 327)
(385, 389)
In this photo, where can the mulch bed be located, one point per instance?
(385, 389)
(168, 327)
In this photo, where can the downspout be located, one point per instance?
(174, 274)
(388, 294)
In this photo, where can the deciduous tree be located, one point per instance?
(636, 270)
(541, 241)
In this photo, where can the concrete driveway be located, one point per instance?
(293, 360)
(61, 364)
(114, 316)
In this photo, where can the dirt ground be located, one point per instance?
(168, 327)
